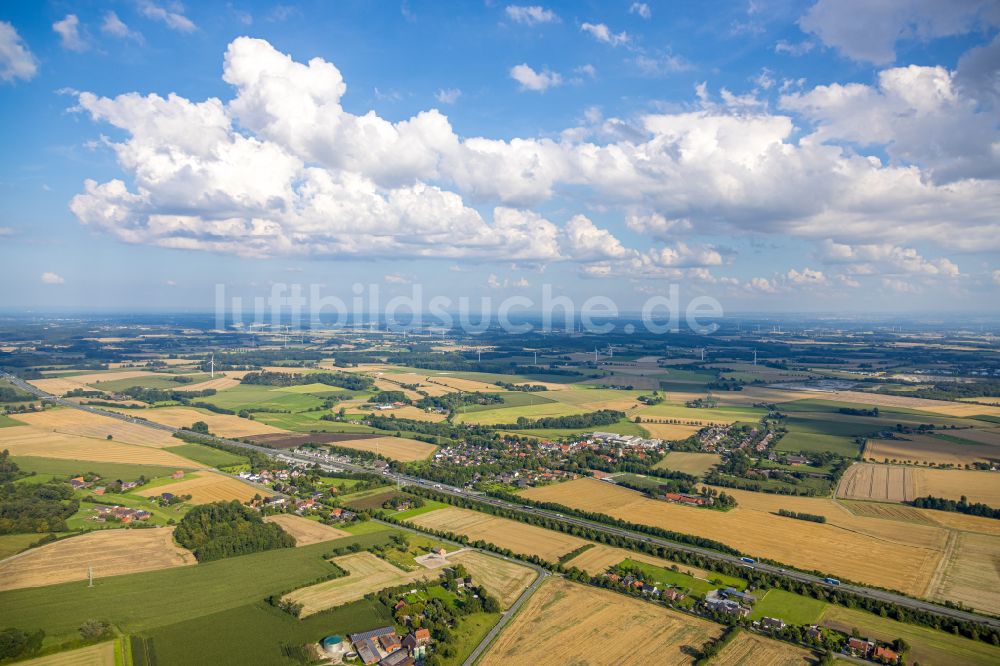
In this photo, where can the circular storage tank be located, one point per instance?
(333, 645)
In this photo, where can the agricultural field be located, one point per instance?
(518, 537)
(881, 483)
(696, 464)
(792, 608)
(970, 572)
(223, 425)
(924, 449)
(504, 579)
(927, 646)
(306, 532)
(142, 601)
(37, 443)
(205, 487)
(62, 385)
(107, 552)
(69, 421)
(889, 511)
(670, 431)
(941, 407)
(978, 486)
(58, 467)
(365, 573)
(206, 455)
(252, 396)
(219, 384)
(749, 649)
(102, 654)
(113, 383)
(397, 448)
(855, 548)
(569, 623)
(11, 544)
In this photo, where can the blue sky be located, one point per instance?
(773, 155)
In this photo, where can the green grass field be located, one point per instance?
(11, 544)
(695, 586)
(787, 606)
(511, 400)
(429, 505)
(508, 415)
(8, 422)
(66, 468)
(469, 632)
(309, 422)
(141, 602)
(254, 633)
(927, 646)
(810, 441)
(249, 397)
(206, 455)
(623, 427)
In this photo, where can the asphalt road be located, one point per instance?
(337, 465)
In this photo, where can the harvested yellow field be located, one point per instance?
(927, 449)
(943, 407)
(417, 414)
(971, 572)
(893, 483)
(206, 487)
(669, 431)
(458, 384)
(749, 649)
(87, 382)
(853, 547)
(882, 483)
(569, 623)
(397, 448)
(108, 552)
(597, 560)
(365, 573)
(520, 538)
(31, 441)
(898, 512)
(503, 579)
(978, 486)
(385, 385)
(102, 654)
(219, 384)
(224, 425)
(87, 424)
(305, 531)
(689, 463)
(963, 522)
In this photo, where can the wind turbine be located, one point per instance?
(755, 357)
(536, 358)
(611, 351)
(702, 353)
(595, 355)
(211, 365)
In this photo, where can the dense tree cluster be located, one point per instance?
(31, 507)
(451, 402)
(526, 388)
(226, 529)
(344, 380)
(601, 417)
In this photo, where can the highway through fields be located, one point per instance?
(328, 463)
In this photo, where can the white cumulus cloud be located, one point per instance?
(171, 15)
(68, 30)
(603, 33)
(530, 15)
(16, 60)
(532, 80)
(52, 278)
